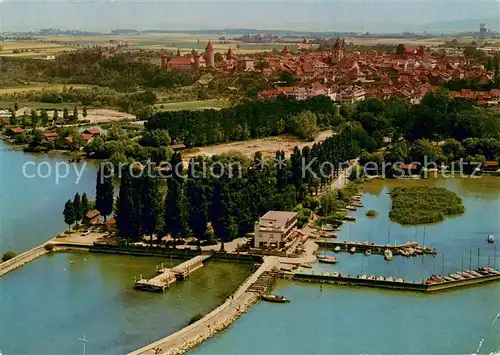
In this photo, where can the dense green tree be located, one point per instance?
(65, 114)
(85, 204)
(104, 198)
(69, 214)
(197, 205)
(75, 114)
(84, 113)
(155, 138)
(77, 207)
(153, 214)
(44, 117)
(304, 125)
(55, 116)
(400, 49)
(34, 118)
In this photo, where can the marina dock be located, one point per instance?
(432, 284)
(407, 249)
(168, 276)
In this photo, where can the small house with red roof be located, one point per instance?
(13, 131)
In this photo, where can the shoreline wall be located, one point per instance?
(212, 323)
(22, 259)
(391, 285)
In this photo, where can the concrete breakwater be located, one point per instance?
(220, 318)
(22, 259)
(432, 284)
(32, 254)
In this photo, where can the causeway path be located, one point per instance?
(213, 322)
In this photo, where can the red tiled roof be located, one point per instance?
(87, 137)
(408, 166)
(69, 139)
(17, 130)
(110, 222)
(93, 131)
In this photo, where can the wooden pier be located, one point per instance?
(432, 284)
(167, 276)
(407, 249)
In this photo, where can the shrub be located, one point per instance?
(49, 247)
(372, 213)
(195, 318)
(8, 255)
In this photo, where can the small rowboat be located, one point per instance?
(327, 259)
(274, 298)
(337, 249)
(352, 250)
(491, 239)
(368, 252)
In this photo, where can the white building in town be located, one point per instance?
(274, 229)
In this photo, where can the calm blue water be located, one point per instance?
(344, 320)
(48, 304)
(31, 208)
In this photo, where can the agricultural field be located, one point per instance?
(428, 42)
(40, 87)
(35, 49)
(149, 41)
(215, 104)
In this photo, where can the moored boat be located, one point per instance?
(352, 250)
(388, 255)
(337, 249)
(327, 259)
(368, 252)
(491, 239)
(274, 298)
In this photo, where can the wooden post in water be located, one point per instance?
(462, 261)
(470, 259)
(442, 264)
(478, 252)
(494, 258)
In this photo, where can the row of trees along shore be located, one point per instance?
(183, 207)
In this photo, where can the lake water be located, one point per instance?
(45, 306)
(48, 304)
(31, 208)
(359, 320)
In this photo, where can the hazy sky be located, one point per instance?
(342, 15)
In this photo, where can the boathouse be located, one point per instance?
(92, 217)
(274, 229)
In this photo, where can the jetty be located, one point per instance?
(248, 293)
(432, 284)
(168, 276)
(406, 249)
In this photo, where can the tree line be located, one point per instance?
(228, 201)
(252, 119)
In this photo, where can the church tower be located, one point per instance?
(163, 59)
(210, 55)
(338, 51)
